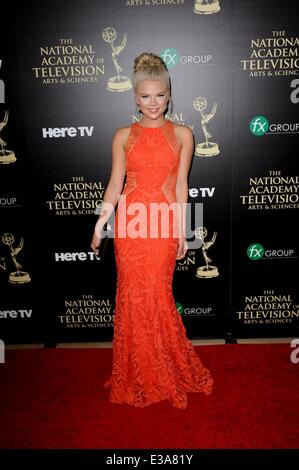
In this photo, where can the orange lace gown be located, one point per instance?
(153, 359)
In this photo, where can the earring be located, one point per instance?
(170, 108)
(139, 113)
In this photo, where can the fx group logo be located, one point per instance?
(255, 251)
(170, 56)
(259, 125)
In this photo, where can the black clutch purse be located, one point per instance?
(104, 247)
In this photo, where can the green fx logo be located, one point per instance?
(170, 56)
(255, 251)
(180, 308)
(259, 125)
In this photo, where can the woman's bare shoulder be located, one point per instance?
(121, 134)
(183, 132)
(122, 131)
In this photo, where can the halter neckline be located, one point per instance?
(159, 127)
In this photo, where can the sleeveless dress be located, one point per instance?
(153, 359)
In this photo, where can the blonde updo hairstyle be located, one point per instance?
(148, 66)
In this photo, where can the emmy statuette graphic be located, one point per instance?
(207, 271)
(206, 7)
(118, 83)
(6, 156)
(207, 148)
(19, 276)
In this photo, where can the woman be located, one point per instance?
(152, 358)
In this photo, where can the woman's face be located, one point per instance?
(152, 98)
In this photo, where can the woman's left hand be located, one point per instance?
(182, 248)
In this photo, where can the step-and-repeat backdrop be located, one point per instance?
(65, 87)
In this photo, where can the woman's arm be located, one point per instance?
(185, 137)
(115, 185)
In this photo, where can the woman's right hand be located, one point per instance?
(95, 244)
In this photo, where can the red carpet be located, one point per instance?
(53, 398)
